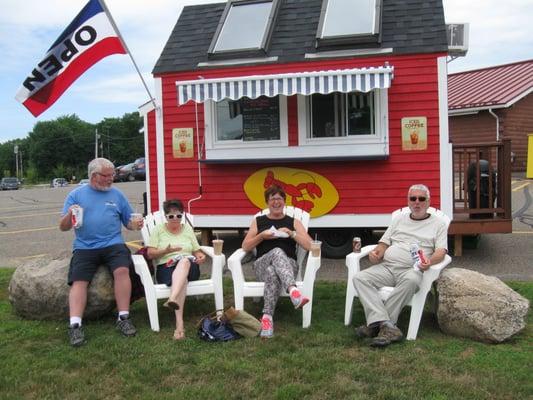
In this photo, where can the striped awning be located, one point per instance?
(304, 83)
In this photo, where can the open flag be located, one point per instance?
(90, 37)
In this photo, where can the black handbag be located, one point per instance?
(211, 329)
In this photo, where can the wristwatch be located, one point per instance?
(293, 234)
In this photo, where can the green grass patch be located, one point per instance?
(324, 361)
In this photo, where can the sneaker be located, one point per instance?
(298, 300)
(388, 333)
(267, 328)
(365, 331)
(125, 326)
(76, 335)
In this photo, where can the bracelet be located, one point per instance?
(293, 234)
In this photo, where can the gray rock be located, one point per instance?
(39, 290)
(479, 307)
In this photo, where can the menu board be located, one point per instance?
(260, 118)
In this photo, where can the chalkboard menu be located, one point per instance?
(260, 118)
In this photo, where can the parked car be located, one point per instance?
(117, 170)
(9, 183)
(125, 173)
(83, 182)
(139, 170)
(58, 182)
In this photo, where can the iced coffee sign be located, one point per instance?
(182, 143)
(414, 133)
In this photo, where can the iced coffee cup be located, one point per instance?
(217, 246)
(136, 218)
(315, 248)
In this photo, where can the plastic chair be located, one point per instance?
(419, 298)
(154, 291)
(243, 288)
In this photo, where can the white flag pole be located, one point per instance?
(106, 10)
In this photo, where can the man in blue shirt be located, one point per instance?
(98, 241)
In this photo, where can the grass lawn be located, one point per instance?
(322, 362)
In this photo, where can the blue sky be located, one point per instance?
(500, 32)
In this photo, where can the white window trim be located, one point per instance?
(354, 145)
(233, 149)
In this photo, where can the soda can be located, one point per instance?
(77, 217)
(356, 244)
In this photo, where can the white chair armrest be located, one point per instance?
(235, 266)
(141, 268)
(208, 250)
(353, 260)
(311, 268)
(432, 274)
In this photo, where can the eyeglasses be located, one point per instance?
(419, 198)
(276, 199)
(106, 175)
(172, 216)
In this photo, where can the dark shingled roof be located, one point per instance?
(408, 26)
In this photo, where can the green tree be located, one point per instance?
(120, 138)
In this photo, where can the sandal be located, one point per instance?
(179, 334)
(172, 304)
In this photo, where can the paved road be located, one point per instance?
(29, 229)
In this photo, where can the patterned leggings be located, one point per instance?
(277, 271)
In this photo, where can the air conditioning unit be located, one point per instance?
(457, 39)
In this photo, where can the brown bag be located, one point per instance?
(243, 323)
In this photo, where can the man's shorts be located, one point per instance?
(163, 274)
(84, 263)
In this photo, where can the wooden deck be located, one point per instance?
(482, 190)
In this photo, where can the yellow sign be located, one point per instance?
(305, 189)
(182, 143)
(414, 133)
(529, 170)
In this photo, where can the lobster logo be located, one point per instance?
(305, 189)
(296, 192)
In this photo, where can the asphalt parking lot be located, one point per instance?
(29, 220)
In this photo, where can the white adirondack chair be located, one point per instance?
(154, 291)
(243, 288)
(419, 298)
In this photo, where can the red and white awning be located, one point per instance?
(304, 83)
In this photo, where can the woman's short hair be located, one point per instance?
(272, 190)
(172, 204)
(97, 165)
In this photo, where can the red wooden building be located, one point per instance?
(490, 104)
(345, 106)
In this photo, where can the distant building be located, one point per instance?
(493, 103)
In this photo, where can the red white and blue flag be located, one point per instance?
(90, 37)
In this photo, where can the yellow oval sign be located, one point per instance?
(305, 189)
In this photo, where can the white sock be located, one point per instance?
(75, 320)
(121, 313)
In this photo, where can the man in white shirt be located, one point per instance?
(394, 267)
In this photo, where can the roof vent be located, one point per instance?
(457, 39)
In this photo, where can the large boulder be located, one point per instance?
(39, 290)
(479, 307)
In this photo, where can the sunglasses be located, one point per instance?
(172, 216)
(419, 198)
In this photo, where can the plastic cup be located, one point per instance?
(217, 246)
(136, 217)
(315, 248)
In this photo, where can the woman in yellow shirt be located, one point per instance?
(177, 256)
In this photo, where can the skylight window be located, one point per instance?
(244, 26)
(349, 19)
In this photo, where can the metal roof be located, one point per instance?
(494, 87)
(407, 27)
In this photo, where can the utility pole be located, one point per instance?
(96, 137)
(16, 150)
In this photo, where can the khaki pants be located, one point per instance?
(405, 281)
